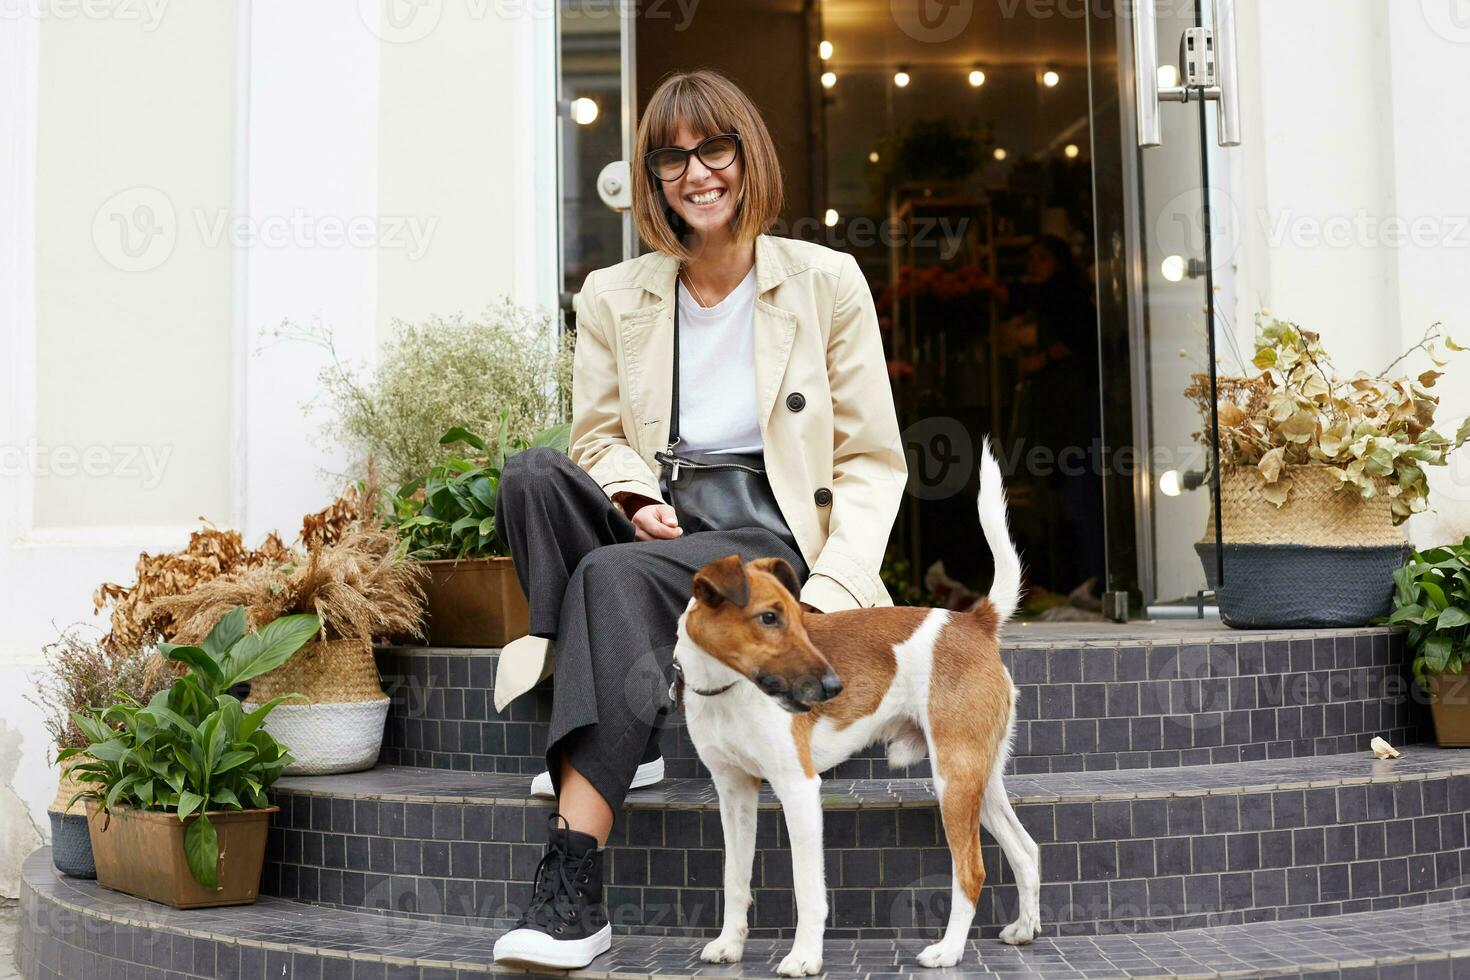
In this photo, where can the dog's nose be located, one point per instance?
(831, 685)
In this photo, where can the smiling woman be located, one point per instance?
(779, 406)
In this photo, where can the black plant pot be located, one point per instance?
(1295, 586)
(71, 845)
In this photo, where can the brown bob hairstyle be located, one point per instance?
(707, 103)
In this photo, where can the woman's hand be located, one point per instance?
(655, 521)
(651, 519)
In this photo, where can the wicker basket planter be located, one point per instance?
(124, 834)
(71, 841)
(475, 602)
(340, 727)
(1324, 558)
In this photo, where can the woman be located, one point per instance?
(779, 354)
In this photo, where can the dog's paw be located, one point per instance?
(799, 963)
(941, 955)
(1026, 928)
(726, 949)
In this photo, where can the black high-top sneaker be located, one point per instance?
(565, 927)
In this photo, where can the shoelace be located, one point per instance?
(554, 885)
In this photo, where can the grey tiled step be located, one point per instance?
(1127, 850)
(75, 929)
(1143, 700)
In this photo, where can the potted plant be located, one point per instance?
(80, 673)
(175, 789)
(509, 368)
(1432, 596)
(348, 572)
(1317, 472)
(446, 522)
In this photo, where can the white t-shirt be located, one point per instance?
(717, 404)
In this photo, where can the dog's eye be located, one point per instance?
(769, 618)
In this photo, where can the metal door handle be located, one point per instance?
(1148, 95)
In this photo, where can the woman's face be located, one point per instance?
(704, 198)
(1041, 265)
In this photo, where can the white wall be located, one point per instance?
(290, 147)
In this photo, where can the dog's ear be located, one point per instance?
(722, 581)
(785, 574)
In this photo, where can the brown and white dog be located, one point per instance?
(772, 695)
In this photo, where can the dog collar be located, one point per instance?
(676, 689)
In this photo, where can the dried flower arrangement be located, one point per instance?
(82, 674)
(1377, 433)
(345, 567)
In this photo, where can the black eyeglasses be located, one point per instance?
(715, 152)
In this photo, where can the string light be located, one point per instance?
(1050, 78)
(1000, 153)
(831, 218)
(1072, 151)
(901, 77)
(829, 79)
(824, 50)
(977, 78)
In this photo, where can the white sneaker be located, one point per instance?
(648, 774)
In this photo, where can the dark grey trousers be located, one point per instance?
(610, 604)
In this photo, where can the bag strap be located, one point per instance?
(674, 409)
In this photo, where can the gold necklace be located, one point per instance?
(689, 281)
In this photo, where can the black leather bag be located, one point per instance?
(716, 491)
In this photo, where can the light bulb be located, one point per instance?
(1000, 153)
(830, 218)
(1169, 483)
(901, 78)
(1072, 151)
(1050, 78)
(977, 78)
(584, 111)
(1174, 267)
(824, 50)
(829, 79)
(873, 157)
(1168, 76)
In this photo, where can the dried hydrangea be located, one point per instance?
(1376, 432)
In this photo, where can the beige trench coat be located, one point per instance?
(832, 448)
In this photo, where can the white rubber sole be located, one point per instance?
(648, 774)
(531, 948)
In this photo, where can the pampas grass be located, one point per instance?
(358, 585)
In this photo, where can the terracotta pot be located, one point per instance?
(475, 602)
(1449, 705)
(141, 852)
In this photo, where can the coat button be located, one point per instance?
(823, 496)
(796, 401)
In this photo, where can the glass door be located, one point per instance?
(1176, 109)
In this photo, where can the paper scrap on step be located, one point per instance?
(1382, 749)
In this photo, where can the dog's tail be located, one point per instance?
(1005, 588)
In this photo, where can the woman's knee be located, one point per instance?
(530, 469)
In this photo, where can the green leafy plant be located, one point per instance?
(442, 372)
(1377, 433)
(1432, 596)
(451, 512)
(192, 749)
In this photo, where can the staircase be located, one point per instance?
(1204, 802)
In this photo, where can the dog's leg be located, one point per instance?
(959, 804)
(801, 802)
(1024, 857)
(739, 792)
